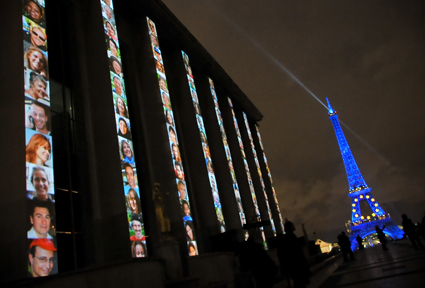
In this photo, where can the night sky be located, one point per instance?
(367, 57)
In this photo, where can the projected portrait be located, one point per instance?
(36, 60)
(194, 96)
(38, 148)
(197, 109)
(133, 202)
(189, 231)
(162, 84)
(39, 185)
(107, 14)
(115, 66)
(152, 28)
(193, 251)
(37, 117)
(176, 153)
(110, 30)
(178, 170)
(181, 186)
(113, 48)
(34, 35)
(172, 135)
(118, 85)
(121, 106)
(41, 217)
(34, 11)
(42, 258)
(36, 88)
(154, 41)
(126, 151)
(138, 249)
(130, 178)
(160, 68)
(123, 128)
(136, 228)
(186, 211)
(169, 117)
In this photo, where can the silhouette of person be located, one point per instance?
(360, 242)
(254, 259)
(291, 256)
(345, 244)
(410, 231)
(381, 237)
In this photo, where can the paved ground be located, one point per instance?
(401, 266)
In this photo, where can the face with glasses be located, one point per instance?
(38, 38)
(41, 262)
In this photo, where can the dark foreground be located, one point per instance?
(401, 266)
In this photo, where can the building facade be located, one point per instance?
(133, 143)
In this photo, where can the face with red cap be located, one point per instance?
(41, 262)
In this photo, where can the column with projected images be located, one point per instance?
(248, 173)
(39, 157)
(269, 175)
(124, 137)
(257, 164)
(228, 154)
(204, 140)
(173, 142)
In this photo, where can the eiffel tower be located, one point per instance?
(359, 192)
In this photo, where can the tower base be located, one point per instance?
(367, 228)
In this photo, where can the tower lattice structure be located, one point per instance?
(359, 192)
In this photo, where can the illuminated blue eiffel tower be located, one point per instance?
(360, 224)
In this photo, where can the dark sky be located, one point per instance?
(367, 57)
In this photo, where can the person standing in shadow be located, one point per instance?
(291, 257)
(345, 244)
(410, 231)
(360, 242)
(381, 237)
(254, 259)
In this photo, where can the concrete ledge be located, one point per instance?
(135, 273)
(214, 270)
